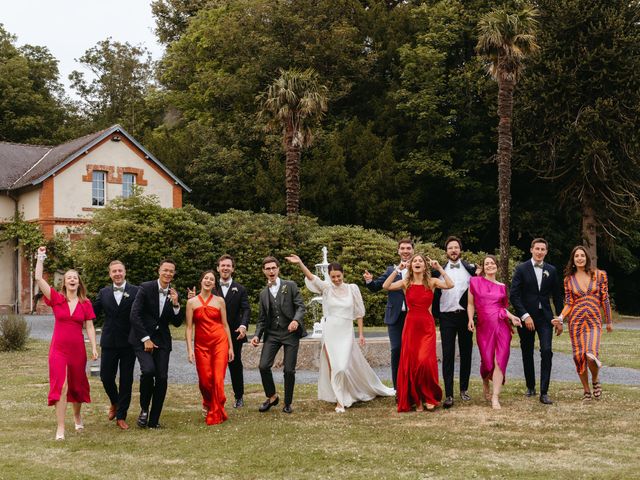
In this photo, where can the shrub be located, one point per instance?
(14, 332)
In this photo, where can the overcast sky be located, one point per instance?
(70, 27)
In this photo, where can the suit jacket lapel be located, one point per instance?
(532, 273)
(155, 300)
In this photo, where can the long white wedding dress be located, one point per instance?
(350, 378)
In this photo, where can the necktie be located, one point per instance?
(538, 265)
(455, 265)
(225, 284)
(118, 289)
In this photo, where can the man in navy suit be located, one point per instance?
(115, 302)
(156, 305)
(396, 308)
(533, 283)
(238, 314)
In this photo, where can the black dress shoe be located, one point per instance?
(287, 409)
(448, 402)
(531, 392)
(544, 398)
(155, 426)
(239, 403)
(143, 418)
(464, 396)
(268, 404)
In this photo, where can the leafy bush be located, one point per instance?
(14, 332)
(140, 233)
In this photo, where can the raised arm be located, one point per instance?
(295, 259)
(443, 282)
(390, 283)
(42, 283)
(188, 331)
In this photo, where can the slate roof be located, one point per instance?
(22, 165)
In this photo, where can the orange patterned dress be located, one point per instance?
(582, 308)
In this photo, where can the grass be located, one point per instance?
(371, 441)
(617, 349)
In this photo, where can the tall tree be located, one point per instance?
(32, 104)
(293, 104)
(581, 104)
(506, 38)
(172, 17)
(122, 78)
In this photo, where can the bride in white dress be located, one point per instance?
(345, 375)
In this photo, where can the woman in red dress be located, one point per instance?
(67, 354)
(418, 382)
(213, 347)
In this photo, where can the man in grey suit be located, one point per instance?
(280, 321)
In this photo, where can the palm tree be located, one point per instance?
(293, 104)
(505, 39)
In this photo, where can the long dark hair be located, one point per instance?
(571, 268)
(495, 260)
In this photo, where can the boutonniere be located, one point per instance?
(283, 290)
(234, 289)
(545, 273)
(125, 295)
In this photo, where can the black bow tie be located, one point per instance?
(118, 289)
(225, 284)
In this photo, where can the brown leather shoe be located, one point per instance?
(112, 411)
(122, 424)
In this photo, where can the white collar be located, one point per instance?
(123, 286)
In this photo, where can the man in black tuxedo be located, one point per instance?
(533, 283)
(115, 302)
(450, 307)
(238, 314)
(156, 305)
(280, 320)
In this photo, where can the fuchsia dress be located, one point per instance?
(67, 353)
(493, 331)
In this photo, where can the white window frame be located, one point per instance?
(98, 186)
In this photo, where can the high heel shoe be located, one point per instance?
(59, 436)
(340, 409)
(79, 427)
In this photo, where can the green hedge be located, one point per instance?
(140, 233)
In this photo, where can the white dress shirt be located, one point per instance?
(274, 288)
(224, 289)
(450, 298)
(118, 295)
(538, 272)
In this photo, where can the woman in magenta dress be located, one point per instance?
(488, 298)
(67, 354)
(418, 383)
(213, 347)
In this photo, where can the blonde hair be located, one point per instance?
(82, 290)
(427, 272)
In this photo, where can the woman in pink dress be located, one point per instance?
(213, 349)
(488, 298)
(67, 354)
(418, 381)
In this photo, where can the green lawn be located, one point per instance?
(617, 349)
(524, 440)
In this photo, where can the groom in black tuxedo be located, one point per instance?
(238, 314)
(533, 283)
(156, 305)
(280, 321)
(115, 302)
(450, 307)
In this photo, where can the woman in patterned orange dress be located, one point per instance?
(212, 345)
(586, 291)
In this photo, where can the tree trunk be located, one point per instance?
(292, 176)
(505, 147)
(589, 230)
